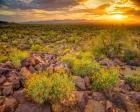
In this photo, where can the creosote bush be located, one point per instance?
(16, 55)
(53, 87)
(134, 81)
(82, 64)
(38, 87)
(104, 78)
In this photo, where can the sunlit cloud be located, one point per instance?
(126, 11)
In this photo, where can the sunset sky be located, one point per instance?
(107, 11)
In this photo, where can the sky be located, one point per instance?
(102, 11)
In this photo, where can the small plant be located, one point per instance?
(82, 63)
(38, 87)
(62, 87)
(104, 78)
(3, 58)
(16, 55)
(37, 47)
(84, 67)
(54, 87)
(134, 81)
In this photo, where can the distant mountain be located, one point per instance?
(3, 22)
(6, 23)
(58, 22)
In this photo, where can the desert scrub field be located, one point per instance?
(70, 65)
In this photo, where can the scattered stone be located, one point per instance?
(31, 107)
(25, 72)
(98, 96)
(81, 99)
(94, 106)
(136, 96)
(7, 90)
(135, 62)
(31, 69)
(10, 104)
(80, 83)
(87, 81)
(2, 79)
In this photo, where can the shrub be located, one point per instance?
(16, 55)
(62, 87)
(82, 63)
(38, 87)
(134, 81)
(3, 58)
(37, 47)
(53, 87)
(84, 67)
(104, 78)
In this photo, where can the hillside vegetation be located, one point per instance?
(69, 68)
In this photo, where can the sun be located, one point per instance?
(118, 17)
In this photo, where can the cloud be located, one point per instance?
(38, 4)
(136, 2)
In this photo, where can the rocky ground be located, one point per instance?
(120, 98)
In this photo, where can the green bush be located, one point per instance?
(84, 67)
(104, 78)
(37, 47)
(62, 87)
(81, 63)
(38, 87)
(3, 58)
(16, 55)
(53, 87)
(134, 81)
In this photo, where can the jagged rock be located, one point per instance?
(135, 62)
(2, 79)
(16, 84)
(25, 72)
(94, 106)
(118, 62)
(87, 81)
(20, 96)
(81, 99)
(98, 96)
(31, 69)
(2, 108)
(123, 101)
(8, 64)
(106, 62)
(30, 107)
(7, 90)
(109, 107)
(40, 67)
(136, 96)
(80, 83)
(10, 104)
(2, 99)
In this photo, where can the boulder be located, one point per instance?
(98, 96)
(31, 107)
(81, 99)
(87, 81)
(7, 90)
(94, 106)
(10, 104)
(31, 69)
(25, 72)
(135, 62)
(2, 79)
(136, 96)
(80, 83)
